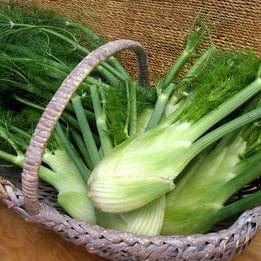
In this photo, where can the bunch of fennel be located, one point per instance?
(141, 151)
(35, 58)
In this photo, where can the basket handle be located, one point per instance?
(57, 105)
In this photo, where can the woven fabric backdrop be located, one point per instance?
(161, 26)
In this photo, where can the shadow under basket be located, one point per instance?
(36, 202)
(115, 245)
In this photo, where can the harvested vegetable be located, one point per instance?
(150, 162)
(140, 155)
(51, 68)
(57, 169)
(200, 198)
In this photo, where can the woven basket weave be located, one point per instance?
(38, 204)
(110, 244)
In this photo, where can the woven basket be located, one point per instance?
(37, 204)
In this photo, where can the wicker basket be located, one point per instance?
(38, 204)
(152, 22)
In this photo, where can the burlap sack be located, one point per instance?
(162, 25)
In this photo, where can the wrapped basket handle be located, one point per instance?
(56, 107)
